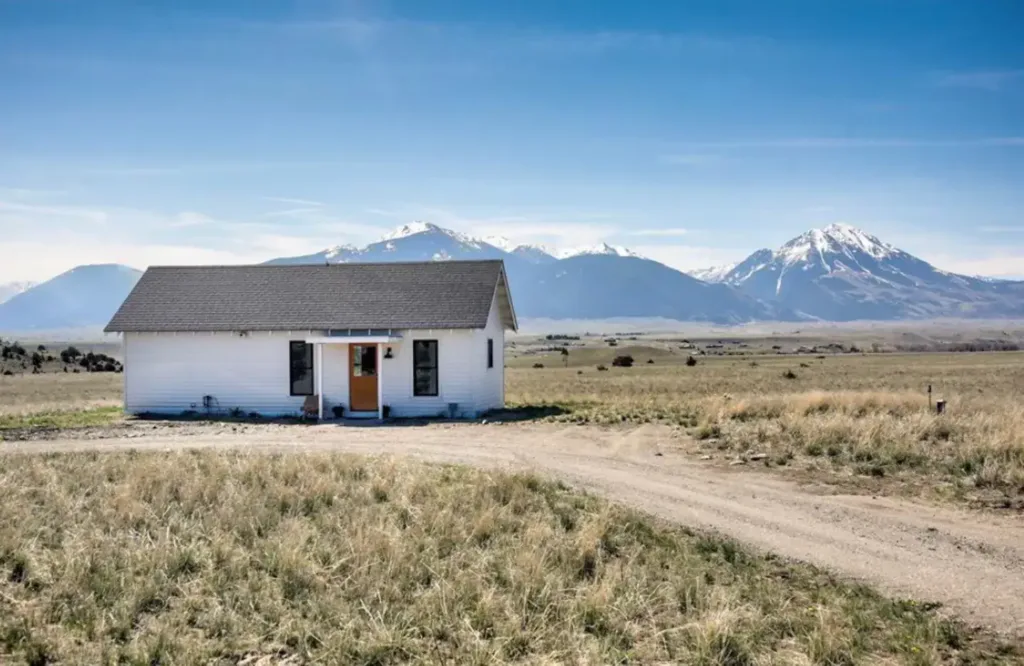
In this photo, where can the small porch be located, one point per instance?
(365, 351)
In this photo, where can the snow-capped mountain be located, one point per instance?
(12, 289)
(599, 249)
(713, 274)
(536, 254)
(418, 241)
(82, 296)
(591, 282)
(837, 273)
(843, 273)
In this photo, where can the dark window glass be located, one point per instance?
(364, 361)
(301, 366)
(490, 353)
(424, 368)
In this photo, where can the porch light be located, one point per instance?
(388, 353)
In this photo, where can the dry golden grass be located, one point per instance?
(185, 558)
(59, 392)
(869, 415)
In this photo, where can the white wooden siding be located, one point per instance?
(170, 373)
(491, 392)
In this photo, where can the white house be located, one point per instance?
(420, 339)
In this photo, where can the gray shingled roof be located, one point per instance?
(438, 294)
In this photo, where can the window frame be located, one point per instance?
(490, 353)
(311, 368)
(436, 367)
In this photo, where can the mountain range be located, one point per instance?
(840, 273)
(586, 283)
(837, 273)
(83, 296)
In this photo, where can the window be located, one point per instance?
(301, 367)
(490, 352)
(364, 360)
(424, 368)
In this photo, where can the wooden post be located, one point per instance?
(318, 354)
(380, 381)
(929, 396)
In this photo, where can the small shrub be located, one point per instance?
(623, 361)
(789, 374)
(804, 365)
(236, 412)
(754, 364)
(338, 411)
(709, 431)
(601, 368)
(691, 361)
(538, 365)
(650, 361)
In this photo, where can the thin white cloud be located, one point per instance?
(553, 230)
(839, 142)
(697, 159)
(23, 193)
(606, 41)
(665, 232)
(27, 209)
(190, 219)
(291, 212)
(1002, 230)
(297, 202)
(992, 80)
(691, 257)
(40, 260)
(207, 168)
(1002, 265)
(366, 36)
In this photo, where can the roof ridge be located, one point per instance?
(332, 265)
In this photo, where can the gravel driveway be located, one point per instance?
(972, 563)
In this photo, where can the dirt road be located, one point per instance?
(971, 563)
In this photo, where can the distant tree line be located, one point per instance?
(71, 358)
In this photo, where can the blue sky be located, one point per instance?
(693, 132)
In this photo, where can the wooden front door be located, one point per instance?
(362, 378)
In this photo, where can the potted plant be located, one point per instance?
(338, 411)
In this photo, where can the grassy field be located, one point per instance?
(183, 558)
(59, 392)
(862, 418)
(844, 414)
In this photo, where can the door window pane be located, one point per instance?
(364, 361)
